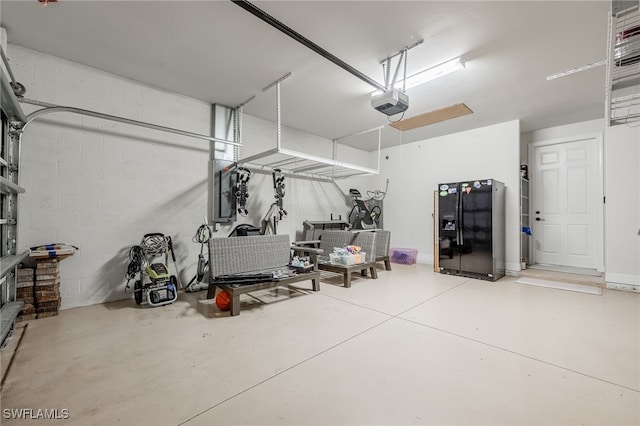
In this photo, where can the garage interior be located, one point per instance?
(117, 116)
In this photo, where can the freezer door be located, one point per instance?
(476, 242)
(449, 229)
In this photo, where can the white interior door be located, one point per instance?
(566, 198)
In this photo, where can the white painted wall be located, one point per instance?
(622, 207)
(559, 132)
(566, 131)
(101, 185)
(414, 170)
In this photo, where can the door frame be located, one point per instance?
(599, 213)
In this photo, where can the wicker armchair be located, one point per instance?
(333, 238)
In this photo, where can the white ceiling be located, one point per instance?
(217, 52)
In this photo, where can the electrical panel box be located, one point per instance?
(225, 182)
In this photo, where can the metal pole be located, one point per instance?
(395, 74)
(278, 117)
(387, 71)
(259, 13)
(361, 132)
(379, 143)
(6, 64)
(404, 78)
(51, 109)
(238, 130)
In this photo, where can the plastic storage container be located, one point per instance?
(349, 259)
(405, 256)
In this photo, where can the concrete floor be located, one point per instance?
(412, 347)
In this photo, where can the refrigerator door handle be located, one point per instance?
(459, 210)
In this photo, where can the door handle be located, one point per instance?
(538, 219)
(460, 224)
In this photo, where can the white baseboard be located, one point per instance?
(623, 287)
(513, 269)
(623, 282)
(425, 259)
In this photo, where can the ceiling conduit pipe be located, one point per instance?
(50, 108)
(259, 13)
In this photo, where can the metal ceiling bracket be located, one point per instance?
(278, 81)
(386, 66)
(18, 88)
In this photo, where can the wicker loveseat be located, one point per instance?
(236, 259)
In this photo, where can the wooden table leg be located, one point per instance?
(211, 291)
(235, 305)
(374, 272)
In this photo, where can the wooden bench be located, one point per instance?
(237, 256)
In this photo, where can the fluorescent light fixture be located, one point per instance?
(432, 73)
(575, 70)
(429, 74)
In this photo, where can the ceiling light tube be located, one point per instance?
(433, 73)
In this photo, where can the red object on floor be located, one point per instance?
(223, 301)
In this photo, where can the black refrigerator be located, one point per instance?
(471, 234)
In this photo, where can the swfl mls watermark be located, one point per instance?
(35, 413)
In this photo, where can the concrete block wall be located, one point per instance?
(102, 185)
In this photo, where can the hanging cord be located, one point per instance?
(377, 194)
(203, 234)
(398, 120)
(136, 261)
(155, 244)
